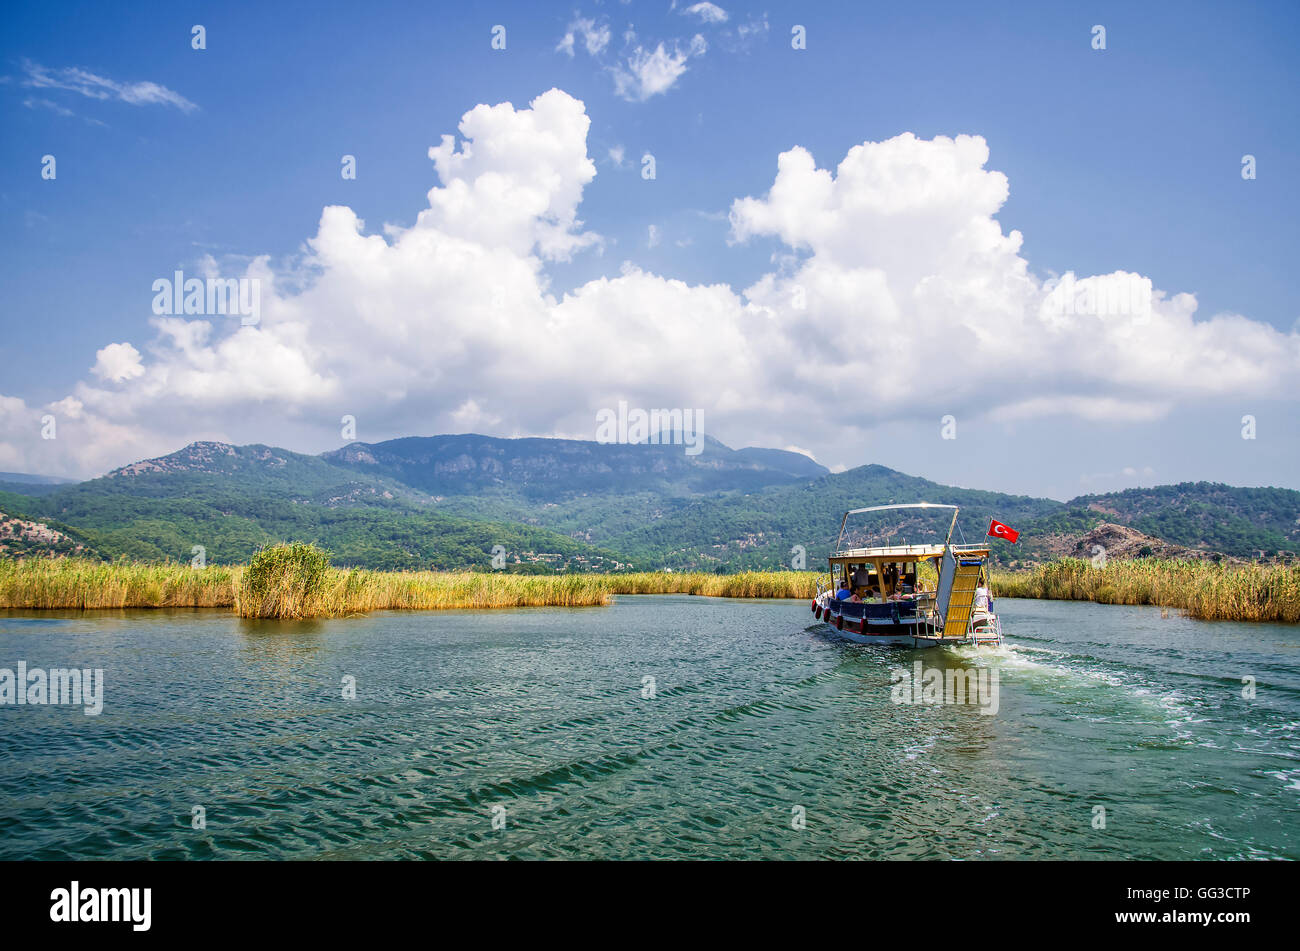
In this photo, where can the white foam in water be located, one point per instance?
(1009, 656)
(920, 749)
(1006, 653)
(1289, 777)
(1171, 706)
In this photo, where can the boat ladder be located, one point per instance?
(991, 636)
(961, 601)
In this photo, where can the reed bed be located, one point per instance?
(276, 585)
(354, 591)
(1203, 589)
(744, 584)
(80, 583)
(1207, 591)
(286, 581)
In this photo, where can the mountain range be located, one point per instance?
(541, 504)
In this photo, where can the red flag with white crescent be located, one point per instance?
(998, 530)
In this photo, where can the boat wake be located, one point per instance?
(1060, 674)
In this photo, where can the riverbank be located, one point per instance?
(78, 584)
(1204, 590)
(81, 584)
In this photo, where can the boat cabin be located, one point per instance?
(883, 574)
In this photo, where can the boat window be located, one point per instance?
(909, 578)
(865, 583)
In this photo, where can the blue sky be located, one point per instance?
(1123, 159)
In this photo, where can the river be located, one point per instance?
(661, 727)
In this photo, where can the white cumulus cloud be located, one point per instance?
(895, 295)
(118, 362)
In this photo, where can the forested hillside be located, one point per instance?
(449, 501)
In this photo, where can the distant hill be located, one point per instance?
(446, 501)
(30, 484)
(1210, 515)
(557, 469)
(759, 530)
(591, 492)
(242, 471)
(1121, 542)
(233, 499)
(32, 479)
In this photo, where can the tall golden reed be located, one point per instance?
(1208, 591)
(744, 584)
(1204, 590)
(285, 581)
(84, 584)
(81, 583)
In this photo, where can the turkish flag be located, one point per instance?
(998, 530)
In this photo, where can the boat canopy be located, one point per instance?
(901, 505)
(889, 553)
(890, 549)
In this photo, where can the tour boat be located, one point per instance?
(887, 602)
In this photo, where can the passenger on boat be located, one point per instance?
(844, 594)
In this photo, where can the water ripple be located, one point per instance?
(662, 727)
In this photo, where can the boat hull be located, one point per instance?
(882, 631)
(907, 638)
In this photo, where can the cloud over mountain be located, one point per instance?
(894, 274)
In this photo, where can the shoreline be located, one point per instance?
(82, 585)
(1203, 590)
